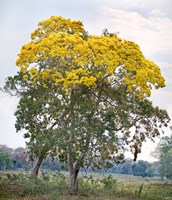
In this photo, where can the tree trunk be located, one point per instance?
(73, 174)
(36, 167)
(74, 182)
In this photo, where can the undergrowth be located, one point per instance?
(55, 186)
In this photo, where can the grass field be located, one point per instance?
(16, 186)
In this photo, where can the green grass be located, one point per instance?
(16, 186)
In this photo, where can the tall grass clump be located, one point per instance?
(45, 185)
(98, 186)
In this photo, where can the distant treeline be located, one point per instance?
(14, 159)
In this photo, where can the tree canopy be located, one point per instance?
(163, 153)
(5, 161)
(61, 54)
(81, 94)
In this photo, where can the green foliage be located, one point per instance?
(89, 186)
(142, 168)
(164, 154)
(17, 158)
(5, 161)
(52, 164)
(109, 183)
(104, 185)
(44, 184)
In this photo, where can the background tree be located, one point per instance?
(163, 153)
(126, 167)
(143, 168)
(19, 157)
(5, 148)
(5, 161)
(85, 93)
(52, 164)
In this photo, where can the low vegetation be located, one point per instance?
(16, 186)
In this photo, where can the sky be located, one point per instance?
(146, 22)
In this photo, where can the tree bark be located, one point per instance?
(36, 167)
(73, 175)
(74, 182)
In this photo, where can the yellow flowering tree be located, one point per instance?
(81, 94)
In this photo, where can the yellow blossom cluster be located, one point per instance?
(57, 24)
(59, 55)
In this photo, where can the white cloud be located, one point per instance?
(158, 13)
(153, 34)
